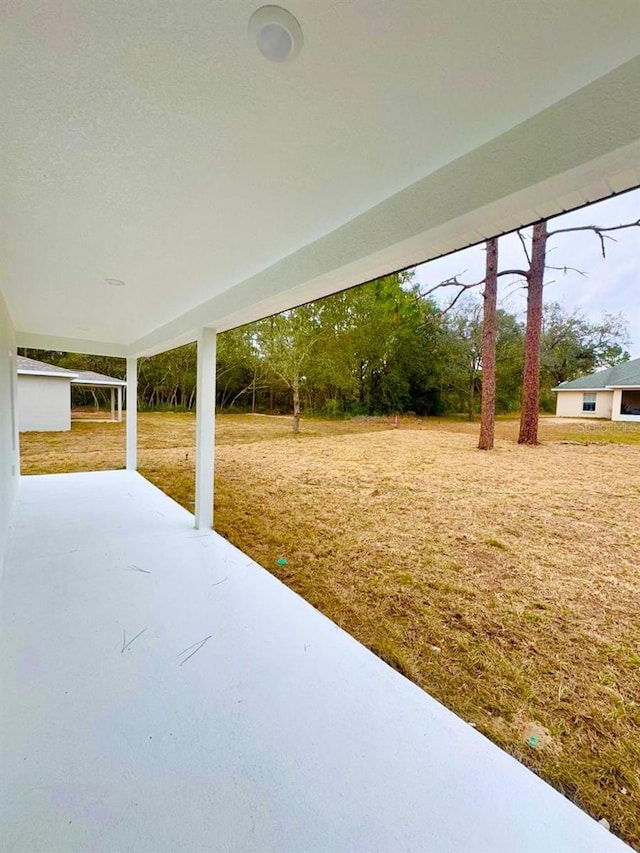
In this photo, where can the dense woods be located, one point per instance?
(380, 348)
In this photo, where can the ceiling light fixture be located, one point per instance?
(276, 33)
(114, 282)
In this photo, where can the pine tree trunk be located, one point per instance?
(253, 392)
(295, 387)
(531, 376)
(489, 326)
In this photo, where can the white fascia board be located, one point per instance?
(55, 374)
(580, 390)
(91, 382)
(624, 387)
(549, 163)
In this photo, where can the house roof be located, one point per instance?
(41, 368)
(78, 377)
(162, 150)
(626, 375)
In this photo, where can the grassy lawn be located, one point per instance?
(507, 584)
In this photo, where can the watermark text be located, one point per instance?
(610, 428)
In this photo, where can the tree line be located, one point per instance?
(388, 347)
(381, 348)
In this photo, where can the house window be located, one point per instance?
(588, 402)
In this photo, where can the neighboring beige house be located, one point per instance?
(613, 394)
(44, 394)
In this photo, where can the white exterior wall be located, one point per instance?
(9, 452)
(44, 403)
(569, 404)
(617, 402)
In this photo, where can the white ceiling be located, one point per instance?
(151, 142)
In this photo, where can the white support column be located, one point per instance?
(132, 414)
(119, 403)
(205, 428)
(113, 404)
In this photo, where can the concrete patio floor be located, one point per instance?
(162, 692)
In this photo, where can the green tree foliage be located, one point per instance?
(239, 370)
(378, 349)
(572, 346)
(169, 381)
(464, 365)
(287, 343)
(461, 360)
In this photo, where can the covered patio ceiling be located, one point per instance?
(153, 144)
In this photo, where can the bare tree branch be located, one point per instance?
(601, 233)
(523, 243)
(565, 269)
(454, 281)
(522, 273)
(453, 302)
(516, 285)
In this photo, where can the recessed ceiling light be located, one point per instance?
(114, 282)
(276, 33)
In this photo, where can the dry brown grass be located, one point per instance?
(506, 584)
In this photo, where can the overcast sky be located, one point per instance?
(612, 285)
